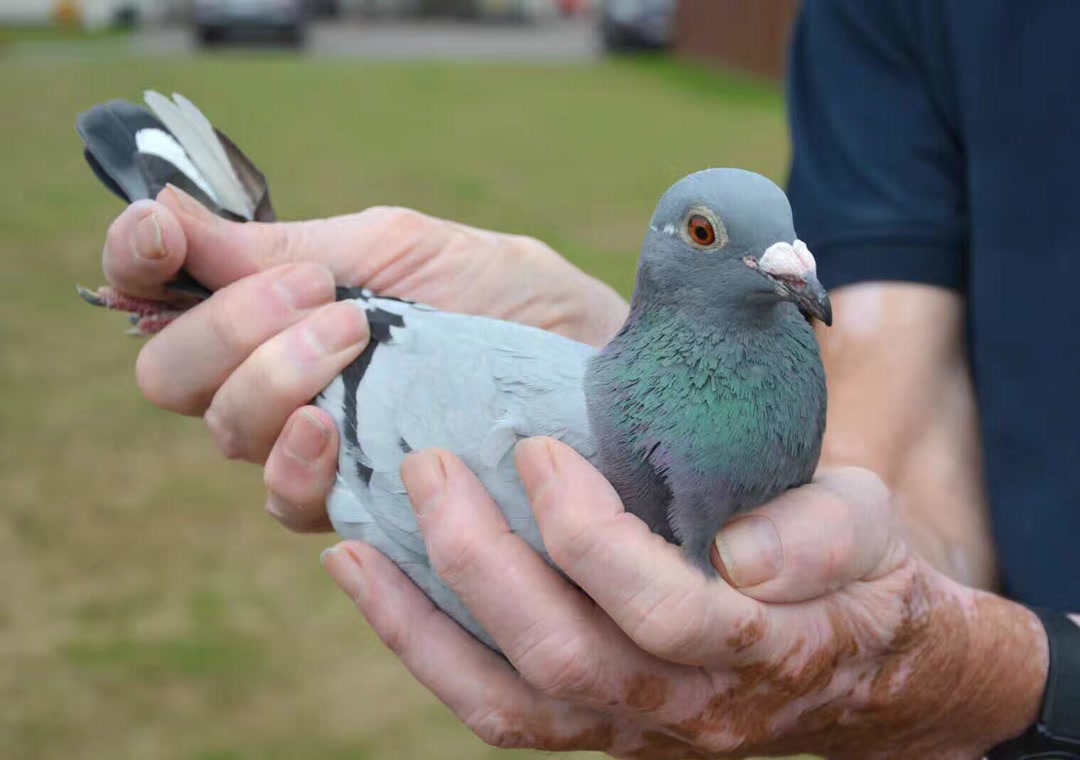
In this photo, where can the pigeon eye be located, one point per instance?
(701, 230)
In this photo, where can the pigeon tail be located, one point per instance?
(136, 152)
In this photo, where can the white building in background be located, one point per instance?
(92, 14)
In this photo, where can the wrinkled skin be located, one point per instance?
(828, 634)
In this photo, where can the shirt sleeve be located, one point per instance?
(877, 181)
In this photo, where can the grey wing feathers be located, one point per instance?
(471, 385)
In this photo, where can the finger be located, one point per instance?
(355, 247)
(667, 606)
(474, 682)
(248, 412)
(144, 248)
(185, 364)
(813, 540)
(301, 469)
(556, 637)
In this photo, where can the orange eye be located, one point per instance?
(701, 230)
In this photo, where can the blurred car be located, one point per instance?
(220, 20)
(326, 8)
(507, 10)
(629, 24)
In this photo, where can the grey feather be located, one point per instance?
(472, 385)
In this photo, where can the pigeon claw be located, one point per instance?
(146, 317)
(92, 297)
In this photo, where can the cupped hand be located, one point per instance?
(250, 357)
(827, 636)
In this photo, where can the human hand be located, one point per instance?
(829, 635)
(270, 338)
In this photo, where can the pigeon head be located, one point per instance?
(724, 239)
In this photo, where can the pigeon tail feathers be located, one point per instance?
(136, 152)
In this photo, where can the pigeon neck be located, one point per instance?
(700, 336)
(748, 316)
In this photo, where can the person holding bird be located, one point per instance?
(848, 618)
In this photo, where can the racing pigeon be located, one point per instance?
(708, 402)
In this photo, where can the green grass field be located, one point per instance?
(148, 608)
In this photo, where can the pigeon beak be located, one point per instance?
(793, 271)
(811, 299)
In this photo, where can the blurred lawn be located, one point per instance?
(147, 606)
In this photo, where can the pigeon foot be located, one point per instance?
(147, 317)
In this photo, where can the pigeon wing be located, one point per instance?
(471, 385)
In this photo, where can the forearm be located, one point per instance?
(901, 403)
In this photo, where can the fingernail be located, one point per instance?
(326, 553)
(304, 287)
(307, 439)
(337, 328)
(425, 480)
(148, 243)
(347, 572)
(536, 464)
(276, 508)
(188, 204)
(750, 551)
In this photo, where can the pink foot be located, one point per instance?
(147, 317)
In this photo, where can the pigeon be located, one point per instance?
(708, 402)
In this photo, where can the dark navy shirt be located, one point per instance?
(939, 143)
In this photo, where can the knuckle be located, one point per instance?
(665, 640)
(498, 729)
(573, 548)
(394, 217)
(280, 480)
(149, 378)
(399, 227)
(526, 247)
(668, 627)
(570, 671)
(281, 510)
(289, 481)
(861, 489)
(227, 438)
(114, 243)
(276, 242)
(271, 376)
(836, 561)
(227, 322)
(860, 509)
(295, 517)
(159, 387)
(869, 480)
(394, 637)
(839, 514)
(456, 560)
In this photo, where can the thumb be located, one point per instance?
(355, 247)
(813, 540)
(220, 251)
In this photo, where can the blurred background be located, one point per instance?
(148, 608)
